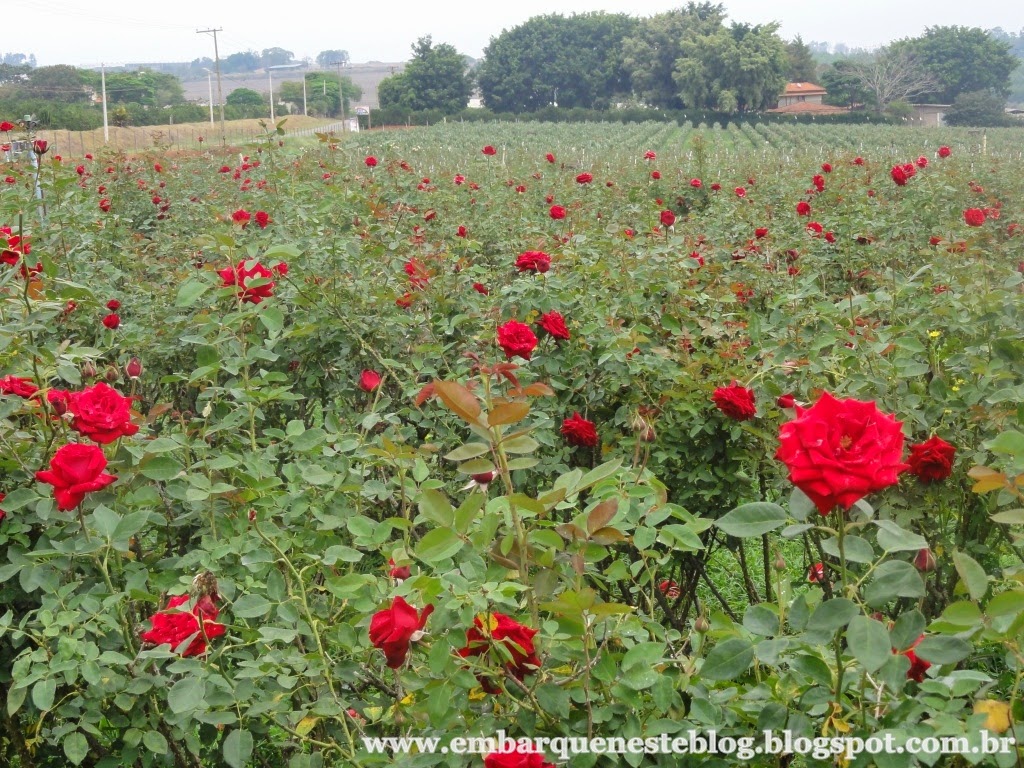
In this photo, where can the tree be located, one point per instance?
(57, 83)
(275, 57)
(245, 97)
(978, 108)
(961, 60)
(650, 54)
(244, 61)
(893, 75)
(844, 85)
(435, 78)
(321, 94)
(330, 57)
(574, 61)
(142, 87)
(802, 66)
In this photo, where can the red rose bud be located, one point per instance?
(111, 321)
(111, 374)
(785, 401)
(816, 573)
(134, 368)
(669, 589)
(369, 380)
(89, 369)
(483, 478)
(400, 573)
(925, 560)
(40, 147)
(779, 564)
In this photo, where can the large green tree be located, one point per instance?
(142, 87)
(574, 61)
(435, 78)
(843, 81)
(802, 66)
(331, 57)
(245, 97)
(651, 53)
(57, 83)
(962, 60)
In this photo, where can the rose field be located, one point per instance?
(585, 431)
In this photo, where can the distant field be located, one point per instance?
(183, 136)
(366, 76)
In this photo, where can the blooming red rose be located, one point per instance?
(655, 175)
(715, 187)
(579, 431)
(945, 152)
(18, 386)
(826, 167)
(533, 261)
(521, 756)
(557, 212)
(735, 401)
(917, 666)
(669, 589)
(101, 413)
(481, 288)
(394, 628)
(803, 208)
(497, 628)
(516, 338)
(931, 460)
(241, 216)
(461, 231)
(668, 218)
(6, 127)
(584, 178)
(554, 324)
(838, 451)
(858, 160)
(816, 573)
(183, 619)
(262, 219)
(549, 157)
(75, 470)
(814, 227)
(761, 232)
(649, 155)
(696, 183)
(113, 305)
(489, 150)
(112, 321)
(105, 204)
(370, 161)
(369, 380)
(740, 192)
(241, 275)
(974, 217)
(899, 175)
(922, 162)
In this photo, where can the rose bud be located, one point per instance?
(701, 625)
(111, 374)
(484, 477)
(816, 573)
(648, 435)
(779, 564)
(88, 369)
(133, 368)
(785, 401)
(925, 560)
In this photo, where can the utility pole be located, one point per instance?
(270, 81)
(341, 95)
(209, 85)
(305, 112)
(220, 92)
(103, 83)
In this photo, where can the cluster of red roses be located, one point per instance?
(394, 629)
(14, 251)
(252, 280)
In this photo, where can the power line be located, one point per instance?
(220, 91)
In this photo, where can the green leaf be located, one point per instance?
(105, 521)
(468, 451)
(869, 642)
(238, 748)
(892, 538)
(597, 474)
(761, 620)
(800, 505)
(907, 629)
(161, 468)
(643, 654)
(832, 615)
(189, 291)
(439, 544)
(893, 579)
(728, 659)
(943, 650)
(186, 695)
(973, 575)
(76, 747)
(857, 550)
(640, 678)
(43, 693)
(553, 699)
(435, 506)
(1010, 442)
(755, 519)
(155, 742)
(250, 606)
(272, 319)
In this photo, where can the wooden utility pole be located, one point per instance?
(220, 92)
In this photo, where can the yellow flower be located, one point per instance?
(934, 334)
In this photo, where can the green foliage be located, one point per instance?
(245, 97)
(435, 78)
(845, 88)
(980, 108)
(802, 66)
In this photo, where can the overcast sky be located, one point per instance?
(122, 31)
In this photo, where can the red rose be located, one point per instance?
(715, 187)
(740, 192)
(133, 368)
(826, 167)
(899, 175)
(924, 560)
(669, 589)
(816, 573)
(369, 381)
(549, 157)
(517, 642)
(75, 470)
(803, 208)
(398, 572)
(668, 218)
(180, 621)
(404, 301)
(40, 147)
(3, 514)
(649, 155)
(696, 183)
(520, 757)
(557, 212)
(838, 451)
(262, 219)
(105, 204)
(489, 150)
(917, 666)
(931, 460)
(655, 175)
(945, 152)
(735, 401)
(241, 216)
(554, 324)
(533, 261)
(6, 127)
(370, 161)
(814, 227)
(922, 162)
(858, 160)
(584, 178)
(785, 401)
(461, 231)
(830, 237)
(394, 628)
(101, 413)
(579, 431)
(17, 386)
(516, 338)
(974, 217)
(761, 232)
(241, 275)
(113, 305)
(481, 288)
(111, 321)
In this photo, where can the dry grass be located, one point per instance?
(183, 136)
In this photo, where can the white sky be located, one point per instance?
(122, 31)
